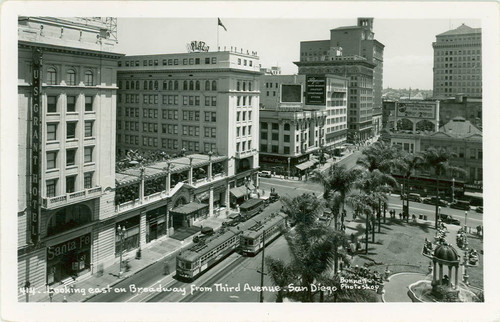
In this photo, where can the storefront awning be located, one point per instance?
(189, 208)
(473, 194)
(239, 192)
(306, 165)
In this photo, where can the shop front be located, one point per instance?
(68, 259)
(280, 165)
(156, 223)
(131, 235)
(186, 215)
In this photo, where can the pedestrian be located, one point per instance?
(65, 300)
(166, 269)
(400, 216)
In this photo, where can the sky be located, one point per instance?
(408, 53)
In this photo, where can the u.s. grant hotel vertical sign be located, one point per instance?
(36, 132)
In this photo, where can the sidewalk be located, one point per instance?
(151, 253)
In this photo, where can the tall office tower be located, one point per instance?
(457, 63)
(66, 96)
(358, 42)
(197, 102)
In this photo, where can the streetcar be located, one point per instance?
(193, 262)
(250, 208)
(251, 240)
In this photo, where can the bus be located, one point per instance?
(250, 208)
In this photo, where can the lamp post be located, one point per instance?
(121, 232)
(465, 220)
(288, 168)
(439, 213)
(453, 190)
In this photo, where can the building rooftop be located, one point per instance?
(156, 169)
(461, 30)
(459, 127)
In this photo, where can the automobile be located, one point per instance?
(432, 201)
(265, 174)
(460, 204)
(413, 197)
(448, 219)
(479, 209)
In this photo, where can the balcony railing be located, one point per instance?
(148, 199)
(70, 198)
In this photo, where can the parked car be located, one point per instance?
(448, 219)
(479, 209)
(265, 174)
(413, 197)
(461, 204)
(432, 201)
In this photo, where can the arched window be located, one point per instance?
(191, 85)
(156, 85)
(127, 85)
(137, 85)
(244, 86)
(207, 85)
(89, 78)
(68, 218)
(165, 85)
(197, 85)
(214, 85)
(176, 85)
(150, 85)
(145, 84)
(185, 85)
(120, 84)
(238, 86)
(71, 77)
(51, 76)
(249, 86)
(170, 85)
(132, 85)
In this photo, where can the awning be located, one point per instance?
(239, 192)
(473, 194)
(305, 165)
(189, 208)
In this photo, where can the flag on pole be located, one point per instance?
(220, 24)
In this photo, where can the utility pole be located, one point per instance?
(262, 266)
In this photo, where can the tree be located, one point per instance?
(337, 179)
(303, 209)
(407, 164)
(281, 273)
(439, 161)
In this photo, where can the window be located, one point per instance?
(197, 85)
(51, 160)
(238, 116)
(88, 128)
(214, 85)
(51, 131)
(263, 148)
(207, 85)
(51, 76)
(70, 130)
(286, 150)
(275, 136)
(287, 126)
(263, 125)
(263, 135)
(70, 184)
(71, 104)
(51, 104)
(274, 149)
(275, 126)
(87, 180)
(238, 131)
(88, 154)
(286, 138)
(70, 157)
(207, 60)
(238, 86)
(89, 78)
(51, 188)
(71, 77)
(214, 60)
(88, 103)
(185, 85)
(214, 101)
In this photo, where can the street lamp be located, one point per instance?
(121, 232)
(288, 168)
(453, 190)
(465, 220)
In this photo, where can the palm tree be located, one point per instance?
(439, 161)
(303, 209)
(281, 273)
(408, 163)
(337, 179)
(378, 156)
(363, 203)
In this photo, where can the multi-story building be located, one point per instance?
(359, 73)
(351, 41)
(458, 136)
(196, 102)
(470, 108)
(67, 95)
(300, 114)
(457, 63)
